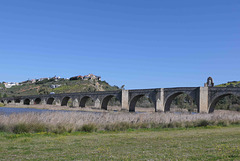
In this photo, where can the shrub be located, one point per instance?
(21, 128)
(89, 128)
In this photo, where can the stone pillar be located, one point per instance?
(58, 102)
(5, 102)
(31, 101)
(203, 100)
(125, 105)
(21, 102)
(44, 102)
(75, 102)
(98, 104)
(160, 101)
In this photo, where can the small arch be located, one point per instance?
(17, 101)
(142, 101)
(185, 99)
(26, 102)
(9, 101)
(37, 101)
(226, 101)
(86, 101)
(2, 101)
(105, 102)
(67, 101)
(50, 101)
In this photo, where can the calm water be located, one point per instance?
(11, 110)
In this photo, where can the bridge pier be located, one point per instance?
(44, 102)
(125, 105)
(203, 100)
(97, 104)
(58, 102)
(160, 101)
(32, 102)
(75, 102)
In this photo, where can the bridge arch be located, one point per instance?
(26, 101)
(37, 101)
(170, 98)
(17, 100)
(106, 100)
(135, 99)
(50, 101)
(65, 101)
(84, 100)
(2, 101)
(216, 99)
(9, 101)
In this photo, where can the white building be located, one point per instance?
(10, 84)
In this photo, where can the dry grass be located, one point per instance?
(75, 121)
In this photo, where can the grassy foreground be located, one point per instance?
(209, 143)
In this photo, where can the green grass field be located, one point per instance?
(213, 143)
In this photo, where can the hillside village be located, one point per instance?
(55, 85)
(55, 78)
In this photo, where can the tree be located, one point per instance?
(43, 91)
(5, 95)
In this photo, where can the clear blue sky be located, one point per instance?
(139, 43)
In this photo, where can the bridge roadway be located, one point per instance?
(204, 97)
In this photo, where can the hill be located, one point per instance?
(57, 86)
(229, 84)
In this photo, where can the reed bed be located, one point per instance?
(59, 122)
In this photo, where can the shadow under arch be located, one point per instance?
(37, 101)
(84, 100)
(2, 101)
(26, 102)
(17, 101)
(65, 101)
(107, 100)
(216, 100)
(9, 101)
(50, 101)
(170, 99)
(133, 102)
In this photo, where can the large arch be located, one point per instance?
(65, 101)
(37, 101)
(216, 100)
(26, 102)
(17, 100)
(9, 101)
(84, 101)
(50, 101)
(170, 99)
(2, 101)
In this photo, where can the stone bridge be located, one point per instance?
(204, 97)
